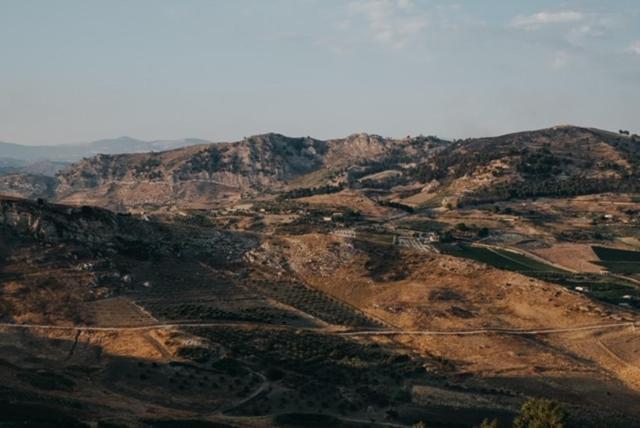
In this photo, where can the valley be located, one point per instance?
(362, 281)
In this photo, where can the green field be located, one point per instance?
(601, 287)
(618, 261)
(501, 259)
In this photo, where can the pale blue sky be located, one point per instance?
(79, 70)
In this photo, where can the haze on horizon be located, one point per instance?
(77, 71)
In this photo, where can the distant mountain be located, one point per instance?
(46, 167)
(203, 174)
(416, 172)
(75, 152)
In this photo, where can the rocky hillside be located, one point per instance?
(30, 186)
(262, 163)
(559, 161)
(104, 230)
(419, 171)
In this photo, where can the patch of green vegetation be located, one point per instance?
(618, 261)
(539, 412)
(601, 287)
(623, 267)
(616, 255)
(499, 258)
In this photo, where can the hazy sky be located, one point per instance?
(78, 70)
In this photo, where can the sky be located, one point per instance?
(81, 70)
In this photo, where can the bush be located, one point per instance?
(494, 423)
(541, 413)
(483, 233)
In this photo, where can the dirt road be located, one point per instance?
(391, 332)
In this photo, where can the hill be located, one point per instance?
(201, 174)
(420, 171)
(77, 151)
(107, 315)
(356, 281)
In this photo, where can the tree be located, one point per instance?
(541, 413)
(486, 423)
(462, 227)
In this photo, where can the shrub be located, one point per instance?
(483, 233)
(494, 423)
(541, 413)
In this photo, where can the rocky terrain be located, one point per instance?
(206, 174)
(362, 281)
(416, 171)
(31, 186)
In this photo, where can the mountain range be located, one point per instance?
(74, 152)
(414, 171)
(293, 282)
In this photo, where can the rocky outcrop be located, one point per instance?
(30, 186)
(269, 162)
(104, 230)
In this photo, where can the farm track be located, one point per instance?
(395, 332)
(498, 331)
(155, 326)
(157, 345)
(263, 387)
(616, 357)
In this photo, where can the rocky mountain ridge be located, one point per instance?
(414, 171)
